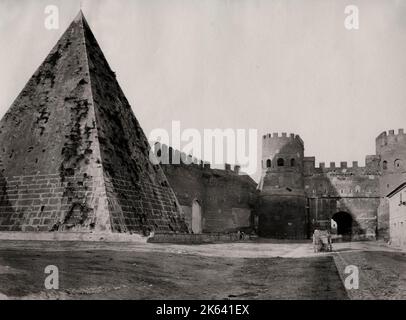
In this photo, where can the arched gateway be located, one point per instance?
(344, 224)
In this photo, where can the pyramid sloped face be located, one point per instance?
(139, 195)
(40, 130)
(49, 149)
(73, 156)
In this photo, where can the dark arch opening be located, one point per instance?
(344, 224)
(292, 162)
(385, 165)
(268, 163)
(280, 162)
(398, 163)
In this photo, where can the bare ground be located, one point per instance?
(252, 270)
(382, 274)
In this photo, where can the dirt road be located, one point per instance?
(252, 270)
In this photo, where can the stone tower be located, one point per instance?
(282, 198)
(391, 149)
(73, 155)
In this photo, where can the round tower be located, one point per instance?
(281, 211)
(391, 149)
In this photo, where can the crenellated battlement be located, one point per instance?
(371, 166)
(278, 135)
(285, 137)
(170, 156)
(390, 138)
(342, 165)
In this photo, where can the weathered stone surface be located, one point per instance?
(227, 198)
(73, 156)
(282, 200)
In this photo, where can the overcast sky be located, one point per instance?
(278, 66)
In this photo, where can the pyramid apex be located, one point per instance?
(80, 16)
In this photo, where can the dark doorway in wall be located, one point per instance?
(344, 224)
(196, 217)
(268, 163)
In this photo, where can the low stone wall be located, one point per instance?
(72, 236)
(357, 237)
(188, 238)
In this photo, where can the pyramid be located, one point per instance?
(73, 157)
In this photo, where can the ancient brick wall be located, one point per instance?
(188, 183)
(227, 199)
(282, 217)
(350, 189)
(188, 238)
(282, 204)
(282, 200)
(230, 201)
(296, 199)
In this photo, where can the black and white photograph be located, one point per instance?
(225, 151)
